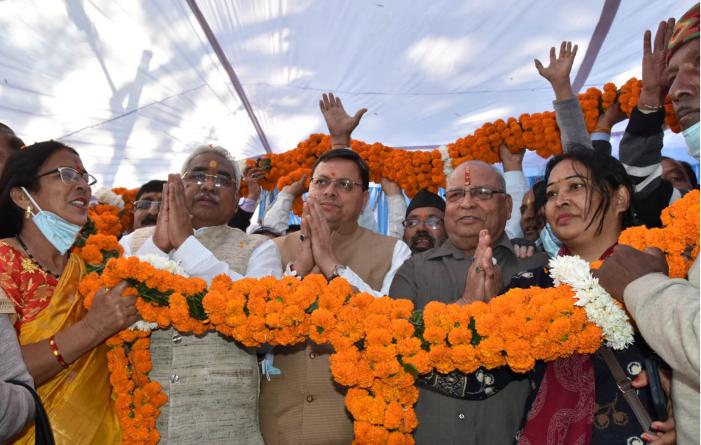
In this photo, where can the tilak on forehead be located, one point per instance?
(213, 164)
(467, 175)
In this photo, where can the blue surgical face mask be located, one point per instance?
(691, 136)
(549, 242)
(60, 233)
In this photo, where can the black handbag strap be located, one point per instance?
(42, 427)
(625, 386)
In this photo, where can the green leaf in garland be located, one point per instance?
(194, 303)
(476, 338)
(314, 306)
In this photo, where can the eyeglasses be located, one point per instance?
(478, 193)
(344, 184)
(145, 204)
(199, 178)
(69, 175)
(432, 222)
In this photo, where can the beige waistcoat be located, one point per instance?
(211, 381)
(304, 405)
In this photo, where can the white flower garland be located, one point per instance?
(447, 162)
(161, 263)
(107, 196)
(598, 304)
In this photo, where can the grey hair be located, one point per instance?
(221, 151)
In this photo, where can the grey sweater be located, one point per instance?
(16, 403)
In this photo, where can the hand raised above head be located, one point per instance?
(296, 188)
(511, 161)
(251, 176)
(655, 84)
(179, 218)
(390, 188)
(339, 123)
(559, 69)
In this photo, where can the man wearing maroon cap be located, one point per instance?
(667, 310)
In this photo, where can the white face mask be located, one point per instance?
(691, 136)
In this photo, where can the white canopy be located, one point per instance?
(134, 85)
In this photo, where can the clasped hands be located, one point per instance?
(174, 223)
(315, 248)
(483, 276)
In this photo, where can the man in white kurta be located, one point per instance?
(212, 382)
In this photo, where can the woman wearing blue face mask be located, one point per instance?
(44, 196)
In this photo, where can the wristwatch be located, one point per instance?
(337, 271)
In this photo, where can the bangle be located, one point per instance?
(602, 130)
(56, 353)
(647, 107)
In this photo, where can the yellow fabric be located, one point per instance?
(77, 399)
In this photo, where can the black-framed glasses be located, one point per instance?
(199, 178)
(344, 184)
(478, 193)
(69, 175)
(145, 204)
(432, 222)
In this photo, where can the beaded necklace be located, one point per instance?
(31, 257)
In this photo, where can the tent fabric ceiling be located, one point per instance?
(135, 85)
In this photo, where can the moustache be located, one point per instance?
(149, 221)
(207, 195)
(423, 235)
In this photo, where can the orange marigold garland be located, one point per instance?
(678, 239)
(414, 170)
(380, 344)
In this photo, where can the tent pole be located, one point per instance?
(608, 13)
(229, 71)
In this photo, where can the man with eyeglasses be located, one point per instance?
(211, 381)
(474, 263)
(148, 203)
(303, 405)
(423, 224)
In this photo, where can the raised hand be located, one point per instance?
(160, 237)
(559, 69)
(511, 161)
(610, 117)
(390, 188)
(339, 123)
(179, 219)
(296, 188)
(251, 175)
(655, 85)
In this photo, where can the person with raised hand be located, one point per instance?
(302, 404)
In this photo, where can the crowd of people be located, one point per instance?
(490, 232)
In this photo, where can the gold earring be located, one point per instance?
(28, 212)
